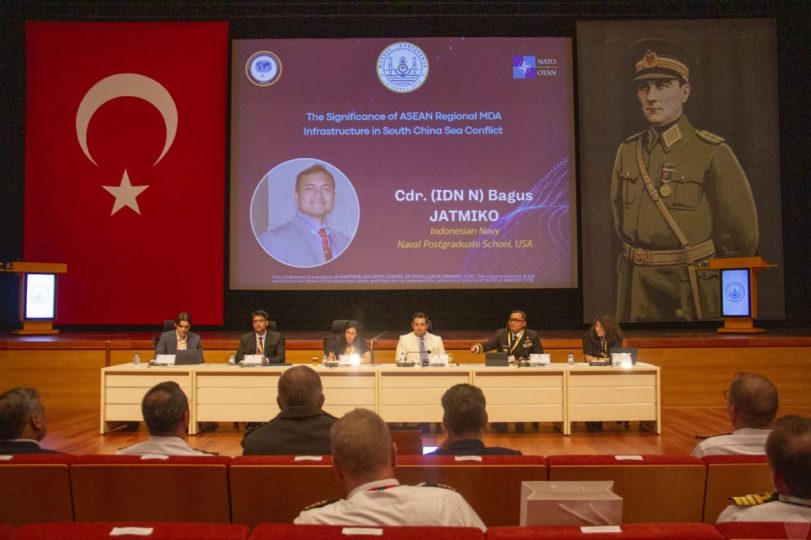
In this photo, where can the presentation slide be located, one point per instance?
(402, 163)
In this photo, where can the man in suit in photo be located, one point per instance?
(22, 422)
(268, 343)
(419, 343)
(179, 339)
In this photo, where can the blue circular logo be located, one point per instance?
(402, 67)
(263, 68)
(735, 292)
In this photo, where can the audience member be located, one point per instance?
(465, 419)
(789, 451)
(22, 422)
(166, 412)
(179, 339)
(751, 407)
(302, 426)
(363, 458)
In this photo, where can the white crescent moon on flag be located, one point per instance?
(126, 85)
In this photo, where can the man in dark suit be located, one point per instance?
(302, 426)
(262, 341)
(181, 338)
(465, 418)
(516, 340)
(22, 422)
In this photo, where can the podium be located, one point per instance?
(745, 324)
(35, 325)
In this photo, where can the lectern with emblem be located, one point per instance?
(739, 307)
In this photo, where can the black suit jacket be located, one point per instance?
(296, 430)
(274, 346)
(473, 447)
(529, 343)
(23, 447)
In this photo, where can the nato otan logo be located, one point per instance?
(263, 68)
(524, 67)
(402, 67)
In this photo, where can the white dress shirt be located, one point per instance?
(744, 441)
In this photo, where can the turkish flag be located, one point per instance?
(125, 167)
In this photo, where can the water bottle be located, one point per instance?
(232, 359)
(570, 359)
(136, 359)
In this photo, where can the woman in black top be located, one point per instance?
(350, 342)
(604, 335)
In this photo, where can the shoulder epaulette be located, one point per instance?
(321, 504)
(711, 138)
(436, 485)
(635, 136)
(754, 500)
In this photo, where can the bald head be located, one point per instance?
(298, 386)
(755, 400)
(361, 446)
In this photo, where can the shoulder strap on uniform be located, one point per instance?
(436, 485)
(754, 499)
(321, 504)
(635, 136)
(708, 137)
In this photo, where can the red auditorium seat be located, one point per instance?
(729, 476)
(655, 489)
(129, 488)
(161, 531)
(274, 489)
(745, 531)
(36, 488)
(492, 486)
(632, 531)
(6, 532)
(273, 531)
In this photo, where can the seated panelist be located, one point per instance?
(179, 339)
(349, 342)
(268, 343)
(417, 345)
(604, 335)
(516, 340)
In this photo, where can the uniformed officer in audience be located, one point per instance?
(363, 458)
(751, 407)
(789, 451)
(679, 197)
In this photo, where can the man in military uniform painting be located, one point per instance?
(679, 197)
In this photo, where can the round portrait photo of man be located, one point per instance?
(304, 212)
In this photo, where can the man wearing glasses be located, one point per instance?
(516, 339)
(307, 240)
(179, 339)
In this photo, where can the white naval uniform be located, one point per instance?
(162, 446)
(410, 343)
(786, 509)
(744, 441)
(386, 502)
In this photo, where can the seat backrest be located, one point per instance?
(630, 531)
(491, 485)
(275, 489)
(131, 488)
(279, 531)
(408, 441)
(101, 531)
(731, 476)
(654, 489)
(6, 532)
(746, 530)
(35, 488)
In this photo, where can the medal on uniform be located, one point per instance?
(664, 179)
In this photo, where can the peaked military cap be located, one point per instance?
(659, 59)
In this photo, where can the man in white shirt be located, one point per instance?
(751, 407)
(419, 344)
(363, 458)
(789, 451)
(166, 412)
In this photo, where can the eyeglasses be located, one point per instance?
(517, 320)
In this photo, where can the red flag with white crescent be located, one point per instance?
(125, 167)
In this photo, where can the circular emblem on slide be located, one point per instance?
(402, 67)
(263, 68)
(734, 292)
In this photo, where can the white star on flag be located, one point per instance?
(125, 194)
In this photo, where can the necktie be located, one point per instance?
(261, 344)
(322, 232)
(423, 351)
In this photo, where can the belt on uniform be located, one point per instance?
(668, 257)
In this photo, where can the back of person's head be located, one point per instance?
(300, 385)
(361, 445)
(17, 406)
(754, 398)
(164, 408)
(789, 451)
(464, 407)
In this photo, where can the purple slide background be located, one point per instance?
(535, 155)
